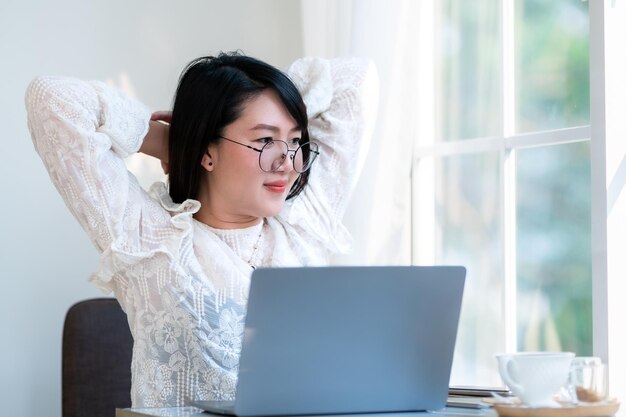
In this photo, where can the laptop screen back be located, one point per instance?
(348, 339)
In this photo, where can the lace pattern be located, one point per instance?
(183, 286)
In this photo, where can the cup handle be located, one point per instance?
(505, 373)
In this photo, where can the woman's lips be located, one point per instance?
(276, 186)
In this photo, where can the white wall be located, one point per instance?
(45, 259)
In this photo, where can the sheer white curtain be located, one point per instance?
(391, 33)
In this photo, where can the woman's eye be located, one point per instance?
(295, 141)
(265, 140)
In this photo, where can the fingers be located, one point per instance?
(166, 167)
(162, 116)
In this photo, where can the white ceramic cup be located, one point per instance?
(534, 377)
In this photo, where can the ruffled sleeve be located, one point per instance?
(82, 131)
(341, 98)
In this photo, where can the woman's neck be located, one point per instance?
(224, 221)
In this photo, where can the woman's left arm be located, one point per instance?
(341, 98)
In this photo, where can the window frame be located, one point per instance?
(607, 67)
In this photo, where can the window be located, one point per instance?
(503, 186)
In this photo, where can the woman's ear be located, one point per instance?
(207, 161)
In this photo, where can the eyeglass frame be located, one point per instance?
(260, 151)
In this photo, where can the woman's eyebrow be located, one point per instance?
(263, 126)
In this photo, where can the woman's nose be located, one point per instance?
(287, 163)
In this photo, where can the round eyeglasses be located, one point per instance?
(274, 153)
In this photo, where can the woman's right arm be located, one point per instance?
(82, 131)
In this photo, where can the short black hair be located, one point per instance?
(211, 94)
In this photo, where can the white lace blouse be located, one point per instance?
(182, 283)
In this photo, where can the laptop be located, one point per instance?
(337, 340)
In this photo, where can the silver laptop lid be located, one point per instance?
(348, 339)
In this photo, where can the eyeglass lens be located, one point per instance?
(274, 153)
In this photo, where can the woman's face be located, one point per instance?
(238, 190)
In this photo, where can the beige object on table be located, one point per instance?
(604, 409)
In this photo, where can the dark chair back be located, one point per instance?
(97, 350)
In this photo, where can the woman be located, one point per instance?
(246, 189)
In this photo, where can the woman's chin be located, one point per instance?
(272, 210)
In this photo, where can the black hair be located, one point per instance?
(211, 94)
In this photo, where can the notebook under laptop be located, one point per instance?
(330, 340)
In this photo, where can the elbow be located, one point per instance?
(36, 92)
